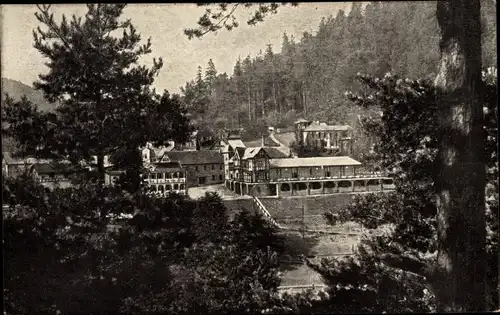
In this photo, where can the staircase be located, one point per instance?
(262, 209)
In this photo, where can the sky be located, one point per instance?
(165, 23)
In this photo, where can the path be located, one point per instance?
(220, 189)
(283, 148)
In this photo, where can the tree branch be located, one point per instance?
(408, 264)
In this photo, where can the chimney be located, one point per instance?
(262, 140)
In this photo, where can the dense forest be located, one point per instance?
(310, 75)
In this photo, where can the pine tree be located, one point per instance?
(210, 73)
(108, 106)
(248, 71)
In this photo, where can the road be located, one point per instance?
(283, 148)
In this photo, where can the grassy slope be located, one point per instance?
(286, 138)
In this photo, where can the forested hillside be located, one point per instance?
(17, 90)
(310, 75)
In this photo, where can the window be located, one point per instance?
(213, 167)
(196, 167)
(168, 187)
(181, 187)
(153, 176)
(176, 175)
(220, 167)
(161, 175)
(327, 174)
(176, 187)
(295, 174)
(310, 171)
(204, 167)
(220, 177)
(213, 177)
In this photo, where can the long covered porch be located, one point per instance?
(311, 187)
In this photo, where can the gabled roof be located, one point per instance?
(236, 143)
(196, 157)
(314, 162)
(252, 152)
(324, 127)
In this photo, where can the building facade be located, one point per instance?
(329, 137)
(166, 178)
(46, 172)
(202, 167)
(257, 174)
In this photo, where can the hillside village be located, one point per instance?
(227, 160)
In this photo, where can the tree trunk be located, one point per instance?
(100, 167)
(262, 100)
(461, 176)
(256, 100)
(249, 103)
(274, 98)
(304, 98)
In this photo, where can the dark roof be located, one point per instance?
(196, 157)
(162, 167)
(275, 153)
(54, 168)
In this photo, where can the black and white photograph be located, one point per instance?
(250, 158)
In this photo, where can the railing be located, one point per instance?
(357, 176)
(265, 213)
(166, 180)
(166, 193)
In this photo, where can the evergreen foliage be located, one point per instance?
(309, 75)
(107, 104)
(400, 258)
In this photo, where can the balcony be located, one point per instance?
(339, 176)
(166, 180)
